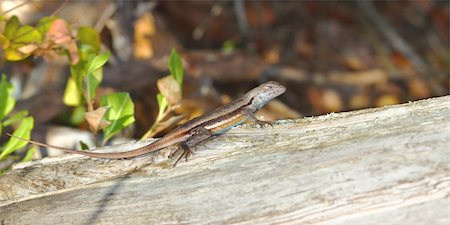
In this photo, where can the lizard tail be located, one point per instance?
(112, 155)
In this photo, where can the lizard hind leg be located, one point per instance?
(186, 152)
(199, 134)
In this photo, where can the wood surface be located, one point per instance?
(388, 165)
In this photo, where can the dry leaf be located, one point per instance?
(95, 119)
(331, 101)
(170, 122)
(27, 49)
(73, 52)
(387, 99)
(60, 34)
(418, 89)
(278, 110)
(353, 62)
(144, 28)
(401, 62)
(360, 101)
(170, 89)
(363, 78)
(314, 95)
(325, 100)
(272, 56)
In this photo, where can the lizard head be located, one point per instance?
(261, 95)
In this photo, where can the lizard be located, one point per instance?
(198, 129)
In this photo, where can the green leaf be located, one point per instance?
(84, 146)
(72, 95)
(120, 113)
(77, 115)
(97, 62)
(15, 118)
(30, 154)
(27, 34)
(11, 27)
(86, 52)
(7, 102)
(78, 72)
(44, 24)
(94, 74)
(12, 54)
(92, 82)
(89, 36)
(19, 41)
(228, 46)
(23, 131)
(4, 41)
(162, 105)
(85, 79)
(176, 67)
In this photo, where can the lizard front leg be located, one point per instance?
(198, 135)
(249, 115)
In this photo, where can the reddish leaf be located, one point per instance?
(59, 32)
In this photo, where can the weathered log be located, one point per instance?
(388, 165)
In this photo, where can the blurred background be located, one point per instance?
(332, 56)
